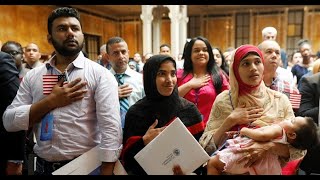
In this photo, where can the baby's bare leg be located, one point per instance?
(215, 166)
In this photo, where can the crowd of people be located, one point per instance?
(252, 110)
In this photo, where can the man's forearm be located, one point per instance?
(39, 109)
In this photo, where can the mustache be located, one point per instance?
(71, 40)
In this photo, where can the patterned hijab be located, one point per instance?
(242, 93)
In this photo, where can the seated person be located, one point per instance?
(291, 131)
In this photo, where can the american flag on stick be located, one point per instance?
(49, 81)
(295, 100)
(292, 93)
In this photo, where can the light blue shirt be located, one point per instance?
(135, 80)
(79, 126)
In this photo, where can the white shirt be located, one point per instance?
(79, 126)
(140, 64)
(135, 81)
(180, 64)
(285, 75)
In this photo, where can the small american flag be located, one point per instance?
(49, 81)
(295, 100)
(292, 93)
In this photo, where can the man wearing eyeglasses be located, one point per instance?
(13, 143)
(15, 50)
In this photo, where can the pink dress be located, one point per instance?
(204, 97)
(270, 165)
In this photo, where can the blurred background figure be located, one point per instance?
(132, 64)
(165, 49)
(137, 58)
(227, 55)
(221, 61)
(270, 33)
(32, 57)
(146, 57)
(15, 50)
(103, 58)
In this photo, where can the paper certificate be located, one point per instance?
(87, 164)
(175, 145)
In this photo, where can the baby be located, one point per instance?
(300, 132)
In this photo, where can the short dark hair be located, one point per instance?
(113, 40)
(306, 135)
(62, 12)
(302, 42)
(165, 45)
(14, 43)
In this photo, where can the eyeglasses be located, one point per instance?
(14, 53)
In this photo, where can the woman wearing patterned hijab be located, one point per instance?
(162, 104)
(248, 103)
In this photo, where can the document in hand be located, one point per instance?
(88, 164)
(175, 145)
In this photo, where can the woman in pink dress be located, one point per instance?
(201, 80)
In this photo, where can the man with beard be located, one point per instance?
(71, 103)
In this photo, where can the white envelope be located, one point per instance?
(88, 164)
(175, 145)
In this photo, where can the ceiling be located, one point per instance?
(117, 11)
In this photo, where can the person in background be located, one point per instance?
(32, 57)
(132, 64)
(103, 61)
(165, 49)
(315, 69)
(13, 149)
(227, 55)
(295, 58)
(15, 50)
(77, 111)
(302, 67)
(248, 103)
(270, 33)
(146, 57)
(147, 118)
(137, 58)
(309, 106)
(201, 80)
(220, 60)
(275, 79)
(180, 63)
(130, 85)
